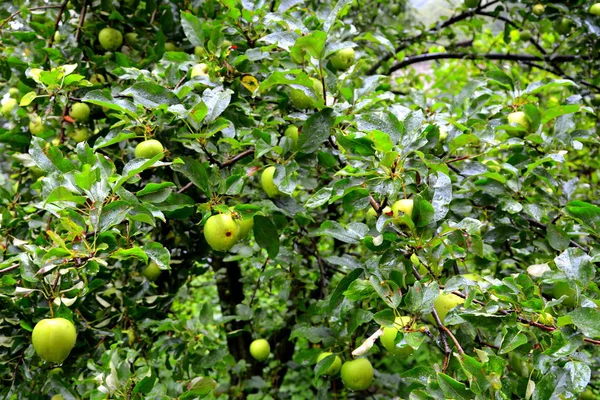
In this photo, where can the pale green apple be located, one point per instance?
(595, 9)
(291, 133)
(268, 185)
(35, 125)
(80, 112)
(199, 70)
(221, 232)
(53, 339)
(302, 100)
(343, 59)
(389, 336)
(151, 271)
(404, 206)
(563, 288)
(446, 302)
(245, 225)
(8, 105)
(357, 374)
(80, 134)
(335, 367)
(148, 149)
(519, 118)
(538, 9)
(110, 39)
(260, 349)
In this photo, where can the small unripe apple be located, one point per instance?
(525, 35)
(97, 79)
(35, 125)
(357, 374)
(553, 101)
(395, 9)
(371, 215)
(539, 9)
(221, 232)
(403, 206)
(13, 92)
(57, 397)
(8, 105)
(151, 271)
(260, 349)
(446, 302)
(80, 134)
(546, 319)
(343, 59)
(199, 70)
(588, 394)
(110, 39)
(226, 44)
(53, 339)
(80, 112)
(291, 133)
(268, 185)
(389, 336)
(169, 46)
(595, 9)
(335, 367)
(563, 25)
(302, 100)
(519, 118)
(131, 38)
(563, 288)
(148, 149)
(471, 3)
(199, 51)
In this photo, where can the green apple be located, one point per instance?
(588, 394)
(390, 333)
(595, 9)
(98, 79)
(343, 59)
(539, 9)
(169, 46)
(471, 3)
(563, 288)
(200, 51)
(57, 37)
(357, 374)
(221, 232)
(226, 44)
(80, 134)
(546, 319)
(446, 302)
(199, 70)
(335, 367)
(525, 36)
(131, 38)
(80, 112)
(395, 9)
(35, 125)
(57, 397)
(13, 92)
(245, 226)
(53, 339)
(151, 271)
(302, 100)
(148, 149)
(553, 101)
(110, 39)
(268, 185)
(8, 105)
(260, 349)
(291, 133)
(404, 206)
(519, 118)
(371, 215)
(563, 25)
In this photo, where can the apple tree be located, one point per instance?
(289, 199)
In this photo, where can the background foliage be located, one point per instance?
(517, 208)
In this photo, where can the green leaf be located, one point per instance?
(576, 264)
(385, 317)
(589, 214)
(150, 95)
(423, 212)
(195, 172)
(104, 98)
(556, 112)
(134, 167)
(353, 233)
(113, 214)
(557, 237)
(192, 28)
(587, 320)
(513, 339)
(27, 99)
(316, 130)
(338, 296)
(453, 389)
(158, 254)
(266, 235)
(386, 123)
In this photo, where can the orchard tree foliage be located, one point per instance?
(264, 199)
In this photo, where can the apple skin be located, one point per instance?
(539, 9)
(519, 118)
(8, 106)
(268, 185)
(13, 92)
(110, 39)
(471, 3)
(148, 149)
(291, 133)
(564, 289)
(371, 215)
(396, 9)
(357, 374)
(221, 232)
(302, 100)
(446, 302)
(260, 349)
(199, 51)
(35, 125)
(403, 206)
(169, 46)
(343, 59)
(335, 367)
(199, 70)
(131, 38)
(563, 25)
(245, 225)
(525, 36)
(57, 397)
(80, 112)
(389, 336)
(588, 395)
(151, 271)
(546, 319)
(98, 79)
(53, 339)
(595, 9)
(80, 134)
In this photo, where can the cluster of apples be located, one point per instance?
(223, 231)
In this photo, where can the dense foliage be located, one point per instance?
(299, 181)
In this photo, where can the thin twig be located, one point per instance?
(11, 16)
(81, 19)
(56, 22)
(8, 269)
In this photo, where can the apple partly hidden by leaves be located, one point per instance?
(471, 3)
(110, 39)
(404, 206)
(343, 59)
(335, 367)
(546, 319)
(35, 125)
(53, 339)
(131, 38)
(245, 226)
(13, 92)
(151, 271)
(57, 397)
(291, 133)
(389, 336)
(221, 232)
(200, 51)
(595, 9)
(8, 105)
(539, 9)
(98, 79)
(302, 100)
(563, 25)
(199, 70)
(563, 288)
(148, 149)
(80, 134)
(446, 302)
(357, 374)
(268, 185)
(169, 46)
(519, 118)
(80, 112)
(525, 35)
(260, 349)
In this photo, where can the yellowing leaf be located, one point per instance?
(250, 83)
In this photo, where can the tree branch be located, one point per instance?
(81, 19)
(11, 16)
(57, 21)
(8, 269)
